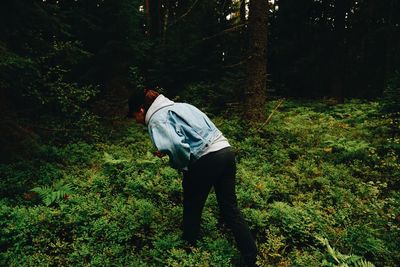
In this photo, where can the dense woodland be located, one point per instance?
(306, 91)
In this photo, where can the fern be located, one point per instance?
(363, 263)
(50, 195)
(343, 260)
(111, 160)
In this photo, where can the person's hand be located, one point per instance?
(159, 154)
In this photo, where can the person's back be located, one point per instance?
(173, 124)
(195, 146)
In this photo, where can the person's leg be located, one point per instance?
(226, 196)
(195, 191)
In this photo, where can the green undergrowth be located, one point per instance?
(318, 185)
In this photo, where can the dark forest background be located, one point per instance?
(60, 56)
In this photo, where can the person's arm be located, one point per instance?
(168, 141)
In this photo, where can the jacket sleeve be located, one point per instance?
(171, 142)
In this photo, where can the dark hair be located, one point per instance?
(141, 99)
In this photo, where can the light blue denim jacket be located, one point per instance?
(180, 130)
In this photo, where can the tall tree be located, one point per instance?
(153, 13)
(338, 60)
(255, 91)
(243, 20)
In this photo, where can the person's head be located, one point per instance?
(139, 103)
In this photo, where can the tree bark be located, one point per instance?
(165, 21)
(243, 20)
(242, 11)
(153, 15)
(255, 91)
(339, 52)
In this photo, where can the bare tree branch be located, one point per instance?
(237, 64)
(234, 28)
(270, 115)
(184, 15)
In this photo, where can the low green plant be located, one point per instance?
(50, 195)
(342, 260)
(314, 170)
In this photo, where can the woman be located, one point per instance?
(197, 148)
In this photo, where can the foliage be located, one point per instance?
(51, 195)
(315, 170)
(343, 260)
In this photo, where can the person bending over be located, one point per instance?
(198, 149)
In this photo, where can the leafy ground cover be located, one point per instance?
(318, 185)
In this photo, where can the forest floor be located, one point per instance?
(318, 185)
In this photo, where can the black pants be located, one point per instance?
(216, 169)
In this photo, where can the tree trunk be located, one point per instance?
(255, 91)
(153, 15)
(165, 20)
(339, 52)
(242, 11)
(243, 20)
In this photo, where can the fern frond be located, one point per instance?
(47, 200)
(51, 195)
(344, 260)
(363, 263)
(111, 160)
(353, 259)
(42, 191)
(330, 250)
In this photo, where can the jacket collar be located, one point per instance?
(160, 102)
